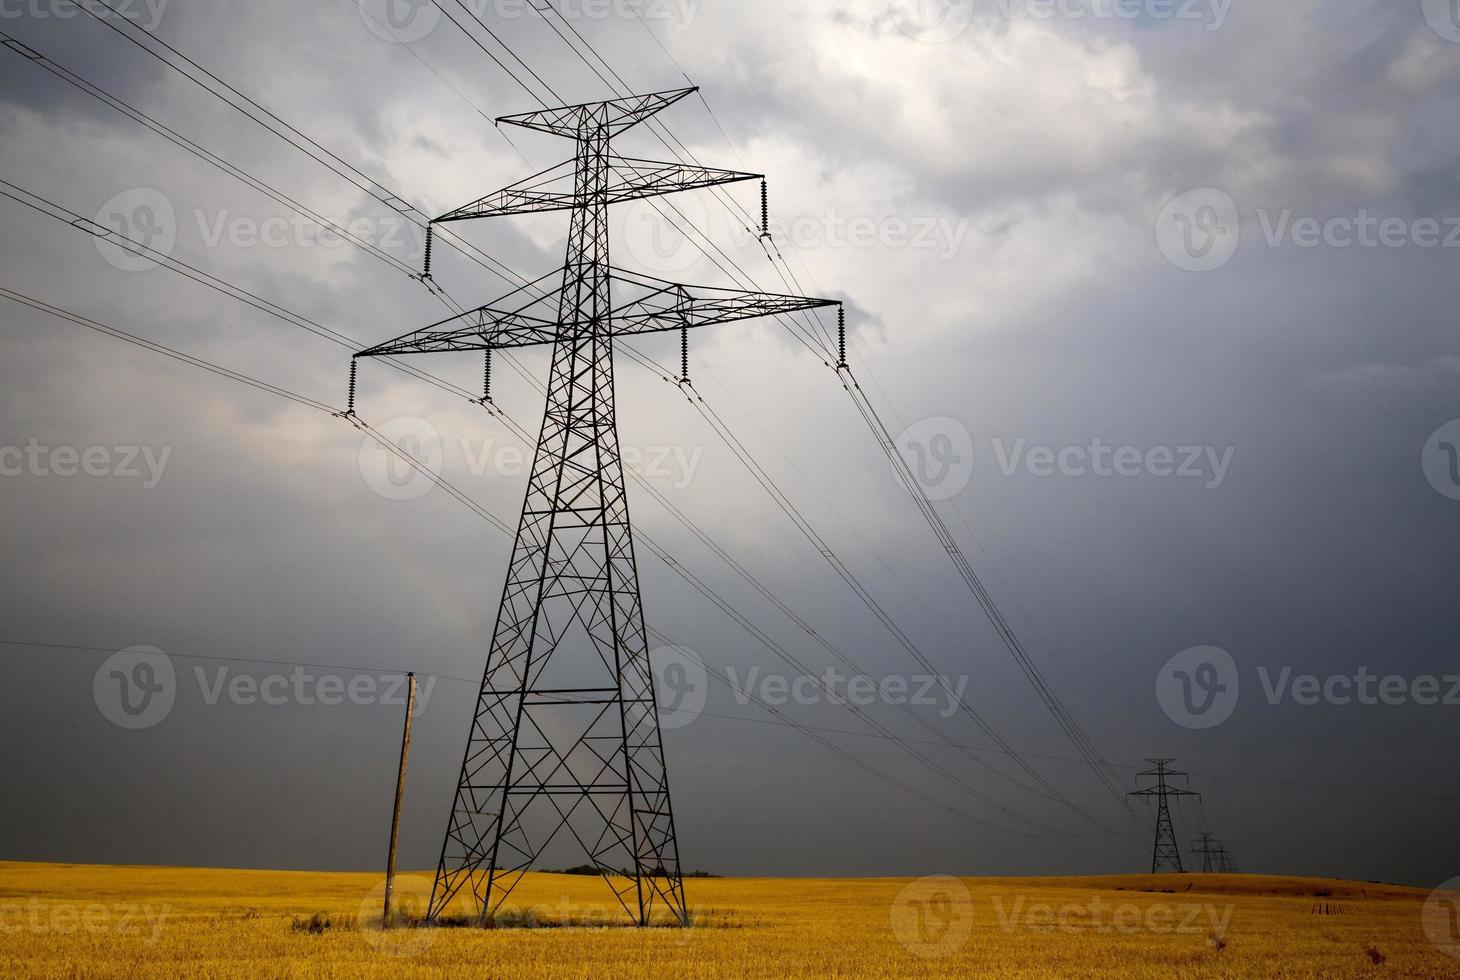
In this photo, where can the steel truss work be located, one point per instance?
(1165, 854)
(566, 735)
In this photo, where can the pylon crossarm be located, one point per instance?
(522, 318)
(630, 180)
(634, 179)
(673, 306)
(547, 190)
(608, 118)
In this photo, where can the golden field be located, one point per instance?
(87, 921)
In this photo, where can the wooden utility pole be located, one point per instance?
(400, 787)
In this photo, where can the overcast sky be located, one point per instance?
(1158, 297)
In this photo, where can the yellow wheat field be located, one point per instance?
(84, 921)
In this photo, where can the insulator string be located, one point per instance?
(841, 336)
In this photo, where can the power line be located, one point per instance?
(164, 350)
(1035, 676)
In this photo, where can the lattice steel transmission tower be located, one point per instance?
(1211, 852)
(1166, 852)
(566, 734)
(1226, 863)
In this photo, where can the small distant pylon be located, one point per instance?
(1211, 852)
(1226, 864)
(1166, 854)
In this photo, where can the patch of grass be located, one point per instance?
(317, 924)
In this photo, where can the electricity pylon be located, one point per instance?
(566, 734)
(1226, 864)
(1210, 850)
(1166, 852)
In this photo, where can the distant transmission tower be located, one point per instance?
(1166, 852)
(1210, 850)
(566, 734)
(1226, 863)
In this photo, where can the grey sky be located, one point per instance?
(987, 186)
